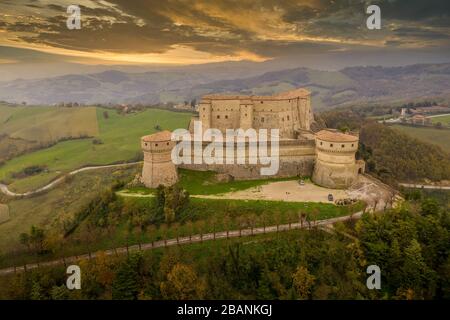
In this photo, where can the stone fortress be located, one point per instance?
(327, 156)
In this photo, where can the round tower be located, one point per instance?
(336, 166)
(158, 167)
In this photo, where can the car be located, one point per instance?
(330, 197)
(301, 182)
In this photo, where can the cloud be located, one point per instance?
(221, 29)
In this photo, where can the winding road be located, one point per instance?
(5, 190)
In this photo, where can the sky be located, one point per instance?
(183, 32)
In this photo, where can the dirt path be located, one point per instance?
(424, 186)
(365, 189)
(5, 190)
(289, 191)
(180, 241)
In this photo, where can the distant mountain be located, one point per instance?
(357, 85)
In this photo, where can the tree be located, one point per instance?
(182, 284)
(25, 240)
(429, 206)
(126, 284)
(34, 240)
(59, 293)
(36, 291)
(416, 274)
(303, 282)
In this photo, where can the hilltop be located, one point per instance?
(357, 85)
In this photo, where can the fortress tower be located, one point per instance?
(335, 165)
(158, 166)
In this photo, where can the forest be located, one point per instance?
(390, 155)
(408, 243)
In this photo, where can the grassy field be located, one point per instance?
(445, 120)
(120, 141)
(51, 208)
(205, 183)
(4, 213)
(439, 137)
(48, 124)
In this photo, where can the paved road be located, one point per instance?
(182, 240)
(5, 190)
(424, 186)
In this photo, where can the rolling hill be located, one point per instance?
(356, 85)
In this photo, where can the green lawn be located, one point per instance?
(48, 124)
(439, 137)
(120, 136)
(445, 120)
(203, 182)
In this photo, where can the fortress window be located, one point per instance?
(245, 114)
(331, 145)
(352, 144)
(288, 118)
(342, 145)
(218, 116)
(226, 117)
(167, 143)
(145, 144)
(262, 119)
(204, 109)
(321, 143)
(262, 102)
(156, 144)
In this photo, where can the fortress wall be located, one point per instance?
(336, 176)
(288, 115)
(225, 114)
(296, 158)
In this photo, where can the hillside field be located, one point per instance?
(118, 140)
(439, 137)
(48, 124)
(444, 119)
